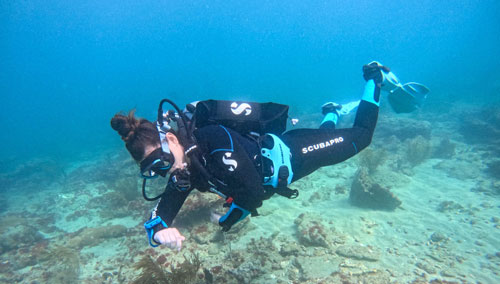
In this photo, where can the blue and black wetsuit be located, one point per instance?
(235, 160)
(315, 148)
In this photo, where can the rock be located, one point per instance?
(358, 252)
(317, 267)
(247, 272)
(480, 125)
(90, 237)
(449, 206)
(205, 233)
(404, 128)
(427, 267)
(17, 232)
(445, 149)
(437, 237)
(368, 194)
(289, 250)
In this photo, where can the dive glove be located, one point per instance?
(373, 70)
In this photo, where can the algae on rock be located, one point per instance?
(372, 159)
(368, 194)
(418, 150)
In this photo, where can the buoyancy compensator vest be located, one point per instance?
(263, 121)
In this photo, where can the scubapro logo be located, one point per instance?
(322, 145)
(230, 162)
(238, 109)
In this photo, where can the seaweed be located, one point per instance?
(418, 150)
(153, 273)
(372, 159)
(185, 273)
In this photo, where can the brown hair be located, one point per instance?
(138, 133)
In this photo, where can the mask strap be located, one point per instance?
(163, 138)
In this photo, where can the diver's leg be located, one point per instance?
(315, 148)
(331, 114)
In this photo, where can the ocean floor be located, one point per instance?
(420, 205)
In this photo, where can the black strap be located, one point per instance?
(144, 193)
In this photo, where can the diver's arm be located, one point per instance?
(244, 180)
(163, 215)
(170, 203)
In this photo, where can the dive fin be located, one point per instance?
(408, 97)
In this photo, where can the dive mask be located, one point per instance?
(156, 163)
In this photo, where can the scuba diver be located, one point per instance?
(241, 151)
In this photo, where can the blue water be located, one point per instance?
(66, 67)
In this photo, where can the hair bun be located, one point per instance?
(124, 126)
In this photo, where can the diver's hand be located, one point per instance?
(215, 217)
(170, 237)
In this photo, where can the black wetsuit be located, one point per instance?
(235, 159)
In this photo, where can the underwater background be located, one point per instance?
(71, 210)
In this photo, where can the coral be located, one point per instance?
(418, 150)
(371, 159)
(152, 273)
(368, 194)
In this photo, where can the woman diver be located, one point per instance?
(243, 170)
